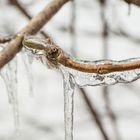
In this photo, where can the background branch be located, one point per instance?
(26, 14)
(88, 102)
(19, 6)
(94, 114)
(105, 89)
(136, 2)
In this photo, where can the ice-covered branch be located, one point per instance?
(57, 56)
(33, 27)
(104, 72)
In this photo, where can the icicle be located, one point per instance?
(9, 75)
(72, 77)
(27, 64)
(92, 79)
(28, 56)
(129, 9)
(68, 104)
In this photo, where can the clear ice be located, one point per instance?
(82, 79)
(68, 104)
(27, 63)
(92, 79)
(9, 76)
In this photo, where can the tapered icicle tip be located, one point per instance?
(34, 42)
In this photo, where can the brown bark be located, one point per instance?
(33, 27)
(26, 14)
(136, 2)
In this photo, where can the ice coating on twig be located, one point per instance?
(92, 79)
(72, 77)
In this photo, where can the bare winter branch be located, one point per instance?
(33, 27)
(26, 14)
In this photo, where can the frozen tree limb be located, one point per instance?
(33, 27)
(56, 56)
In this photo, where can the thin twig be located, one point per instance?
(24, 11)
(33, 27)
(121, 32)
(73, 27)
(57, 56)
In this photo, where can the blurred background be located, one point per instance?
(89, 30)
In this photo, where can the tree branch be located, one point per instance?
(136, 2)
(33, 27)
(26, 14)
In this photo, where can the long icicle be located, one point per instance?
(9, 75)
(68, 104)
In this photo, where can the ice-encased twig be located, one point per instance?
(56, 56)
(68, 104)
(94, 79)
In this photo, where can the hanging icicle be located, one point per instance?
(68, 104)
(9, 75)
